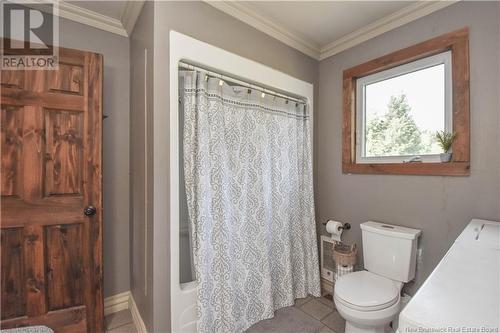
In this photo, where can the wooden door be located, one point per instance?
(51, 132)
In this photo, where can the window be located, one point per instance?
(399, 110)
(395, 104)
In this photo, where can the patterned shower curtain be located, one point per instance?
(249, 188)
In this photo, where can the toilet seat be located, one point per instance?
(365, 291)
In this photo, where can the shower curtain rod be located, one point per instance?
(239, 82)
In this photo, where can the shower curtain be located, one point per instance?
(249, 188)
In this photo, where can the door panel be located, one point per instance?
(63, 152)
(12, 129)
(35, 271)
(68, 79)
(13, 292)
(64, 250)
(32, 152)
(12, 79)
(51, 260)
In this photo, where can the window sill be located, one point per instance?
(429, 169)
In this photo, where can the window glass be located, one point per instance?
(400, 110)
(403, 113)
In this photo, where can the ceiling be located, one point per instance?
(325, 21)
(114, 9)
(319, 29)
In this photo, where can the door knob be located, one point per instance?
(89, 210)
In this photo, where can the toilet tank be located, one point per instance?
(390, 250)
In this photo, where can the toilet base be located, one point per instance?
(368, 321)
(353, 328)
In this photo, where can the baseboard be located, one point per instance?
(124, 301)
(136, 316)
(116, 303)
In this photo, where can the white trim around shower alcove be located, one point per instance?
(185, 48)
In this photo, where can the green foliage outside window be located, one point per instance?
(395, 133)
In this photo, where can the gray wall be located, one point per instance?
(439, 206)
(115, 145)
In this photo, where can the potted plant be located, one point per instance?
(445, 140)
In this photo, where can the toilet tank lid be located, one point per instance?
(390, 230)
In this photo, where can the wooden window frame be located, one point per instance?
(458, 43)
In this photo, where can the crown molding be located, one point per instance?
(81, 15)
(84, 16)
(244, 13)
(131, 14)
(390, 22)
(91, 18)
(291, 38)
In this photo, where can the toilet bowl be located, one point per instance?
(368, 302)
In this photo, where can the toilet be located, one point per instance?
(370, 300)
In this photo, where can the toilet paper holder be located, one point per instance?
(345, 226)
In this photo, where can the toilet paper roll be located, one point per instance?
(335, 229)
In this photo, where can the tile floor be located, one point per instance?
(120, 322)
(308, 315)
